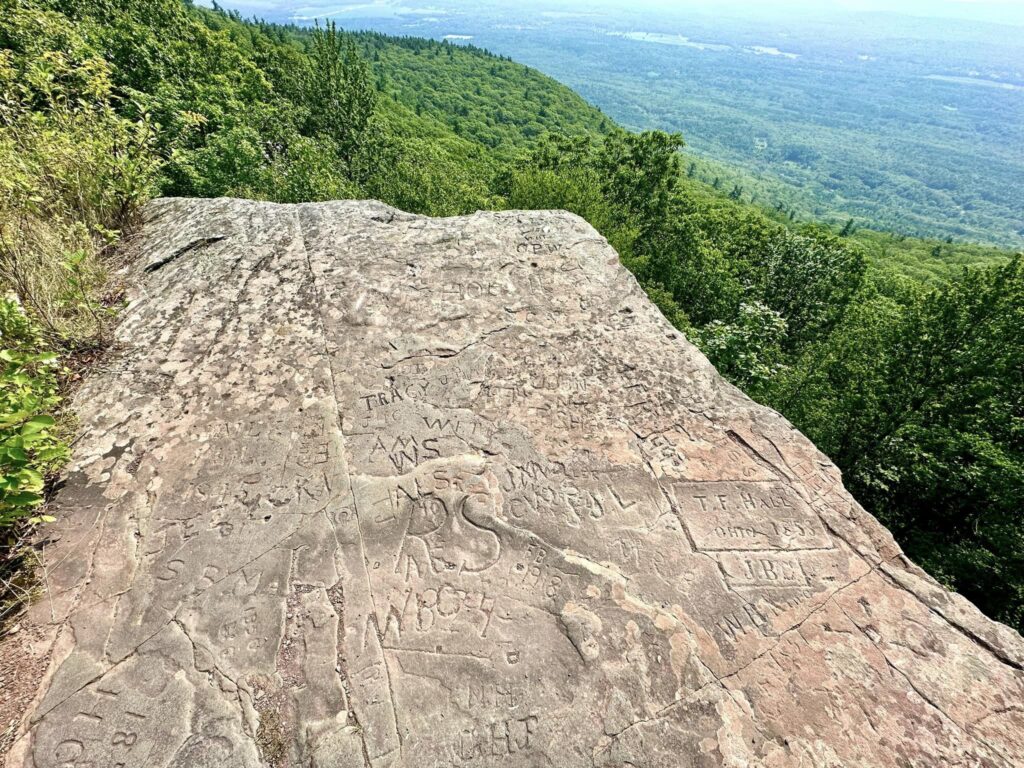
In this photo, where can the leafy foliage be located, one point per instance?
(30, 445)
(73, 170)
(920, 399)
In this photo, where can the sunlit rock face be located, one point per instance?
(361, 488)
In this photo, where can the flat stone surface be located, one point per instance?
(361, 488)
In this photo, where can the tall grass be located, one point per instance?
(73, 174)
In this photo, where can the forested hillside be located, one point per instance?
(490, 100)
(914, 387)
(901, 122)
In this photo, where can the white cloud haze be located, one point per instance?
(995, 11)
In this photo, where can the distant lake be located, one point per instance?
(656, 37)
(764, 50)
(685, 42)
(976, 81)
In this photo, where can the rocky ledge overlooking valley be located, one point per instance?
(361, 488)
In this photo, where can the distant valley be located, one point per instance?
(910, 125)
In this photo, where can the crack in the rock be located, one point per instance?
(376, 628)
(201, 242)
(446, 353)
(756, 456)
(329, 360)
(240, 686)
(877, 568)
(965, 631)
(40, 714)
(100, 522)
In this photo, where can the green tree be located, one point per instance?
(944, 460)
(338, 92)
(638, 173)
(747, 350)
(809, 278)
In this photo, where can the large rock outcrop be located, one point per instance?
(361, 488)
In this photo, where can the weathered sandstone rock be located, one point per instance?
(362, 488)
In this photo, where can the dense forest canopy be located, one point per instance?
(915, 387)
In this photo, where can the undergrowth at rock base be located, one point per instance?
(73, 174)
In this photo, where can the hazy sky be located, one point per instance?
(982, 10)
(998, 11)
